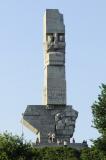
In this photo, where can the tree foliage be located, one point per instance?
(13, 148)
(99, 111)
(99, 121)
(90, 154)
(60, 153)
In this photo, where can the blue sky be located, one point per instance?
(21, 59)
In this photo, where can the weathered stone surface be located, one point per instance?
(53, 22)
(64, 123)
(54, 58)
(54, 115)
(43, 121)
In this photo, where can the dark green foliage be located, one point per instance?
(60, 153)
(99, 111)
(100, 146)
(13, 148)
(99, 120)
(90, 154)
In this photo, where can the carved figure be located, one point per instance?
(55, 42)
(61, 38)
(50, 38)
(64, 121)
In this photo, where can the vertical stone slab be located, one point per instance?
(54, 91)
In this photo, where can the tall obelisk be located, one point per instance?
(54, 58)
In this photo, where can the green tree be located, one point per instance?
(99, 111)
(59, 153)
(13, 148)
(99, 121)
(3, 156)
(90, 154)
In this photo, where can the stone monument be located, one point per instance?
(54, 116)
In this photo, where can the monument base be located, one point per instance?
(46, 120)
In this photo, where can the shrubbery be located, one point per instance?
(13, 148)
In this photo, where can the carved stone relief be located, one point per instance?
(55, 42)
(65, 122)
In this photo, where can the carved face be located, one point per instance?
(55, 42)
(61, 38)
(50, 38)
(55, 37)
(65, 122)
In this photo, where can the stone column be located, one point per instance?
(54, 91)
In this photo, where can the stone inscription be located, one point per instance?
(56, 95)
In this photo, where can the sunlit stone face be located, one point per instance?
(54, 91)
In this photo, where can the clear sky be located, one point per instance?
(21, 59)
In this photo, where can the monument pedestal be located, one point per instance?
(43, 120)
